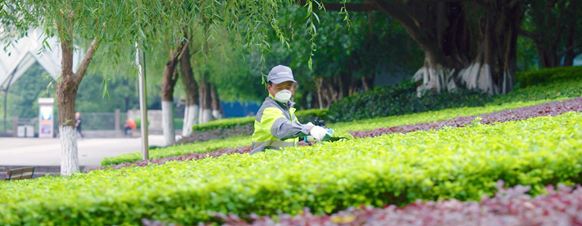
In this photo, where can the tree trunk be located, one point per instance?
(440, 30)
(67, 93)
(368, 82)
(205, 99)
(554, 21)
(435, 78)
(570, 54)
(192, 95)
(547, 54)
(170, 77)
(168, 84)
(315, 99)
(215, 103)
(456, 55)
(493, 70)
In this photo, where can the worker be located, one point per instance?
(276, 126)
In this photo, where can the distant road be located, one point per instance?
(47, 152)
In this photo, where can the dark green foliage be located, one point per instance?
(121, 94)
(398, 100)
(402, 98)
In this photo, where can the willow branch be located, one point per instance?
(87, 60)
(184, 46)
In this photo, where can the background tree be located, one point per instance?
(117, 25)
(554, 27)
(190, 89)
(466, 43)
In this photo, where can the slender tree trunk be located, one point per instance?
(168, 84)
(170, 77)
(192, 95)
(314, 99)
(67, 93)
(215, 103)
(205, 99)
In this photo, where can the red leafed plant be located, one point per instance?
(510, 207)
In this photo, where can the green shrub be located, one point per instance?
(462, 163)
(223, 123)
(178, 123)
(567, 88)
(400, 99)
(302, 115)
(138, 122)
(564, 82)
(529, 78)
(178, 150)
(340, 128)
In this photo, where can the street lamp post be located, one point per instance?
(142, 102)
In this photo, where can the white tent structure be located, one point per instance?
(22, 53)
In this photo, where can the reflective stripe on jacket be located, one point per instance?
(276, 126)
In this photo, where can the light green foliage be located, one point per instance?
(340, 129)
(462, 163)
(184, 149)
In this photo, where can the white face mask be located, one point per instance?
(283, 96)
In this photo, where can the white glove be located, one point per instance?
(318, 133)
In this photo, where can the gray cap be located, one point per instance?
(280, 74)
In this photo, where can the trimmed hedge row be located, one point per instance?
(178, 150)
(341, 129)
(554, 108)
(462, 163)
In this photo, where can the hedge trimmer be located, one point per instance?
(327, 138)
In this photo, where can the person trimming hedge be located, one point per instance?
(276, 126)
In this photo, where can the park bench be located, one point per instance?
(20, 174)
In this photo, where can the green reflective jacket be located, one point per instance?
(276, 126)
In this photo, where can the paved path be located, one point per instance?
(46, 152)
